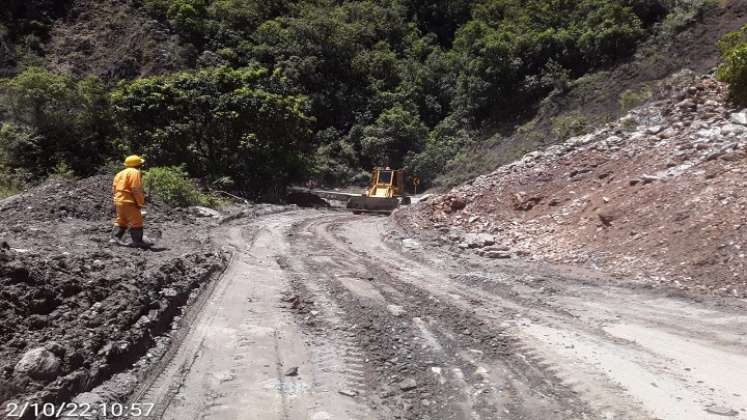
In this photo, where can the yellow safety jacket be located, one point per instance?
(128, 188)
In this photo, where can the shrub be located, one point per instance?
(9, 184)
(631, 99)
(733, 71)
(567, 126)
(442, 145)
(172, 185)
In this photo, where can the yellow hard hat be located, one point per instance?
(134, 161)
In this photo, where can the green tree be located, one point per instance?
(396, 132)
(53, 119)
(238, 123)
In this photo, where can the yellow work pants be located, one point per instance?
(129, 215)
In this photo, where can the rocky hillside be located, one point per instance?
(113, 40)
(657, 196)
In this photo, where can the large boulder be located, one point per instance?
(39, 364)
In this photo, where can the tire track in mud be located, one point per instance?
(233, 361)
(475, 354)
(382, 333)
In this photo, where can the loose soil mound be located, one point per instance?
(660, 193)
(76, 310)
(89, 199)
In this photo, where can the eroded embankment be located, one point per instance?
(76, 310)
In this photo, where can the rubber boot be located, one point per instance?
(117, 234)
(137, 238)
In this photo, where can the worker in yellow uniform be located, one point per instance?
(129, 199)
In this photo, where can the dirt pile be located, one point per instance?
(75, 309)
(658, 194)
(88, 199)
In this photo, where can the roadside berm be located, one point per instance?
(77, 310)
(655, 198)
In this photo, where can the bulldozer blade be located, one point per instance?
(372, 205)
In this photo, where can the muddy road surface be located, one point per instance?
(325, 315)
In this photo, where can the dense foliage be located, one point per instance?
(54, 120)
(325, 88)
(173, 186)
(734, 69)
(243, 124)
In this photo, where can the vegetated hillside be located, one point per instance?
(316, 89)
(602, 96)
(658, 194)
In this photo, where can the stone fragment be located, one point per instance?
(739, 118)
(408, 384)
(39, 363)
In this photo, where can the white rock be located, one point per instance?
(655, 129)
(39, 363)
(201, 211)
(739, 118)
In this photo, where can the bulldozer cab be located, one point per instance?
(387, 183)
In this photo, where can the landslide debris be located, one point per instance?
(76, 310)
(657, 196)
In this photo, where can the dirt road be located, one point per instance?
(325, 315)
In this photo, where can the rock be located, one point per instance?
(721, 411)
(668, 133)
(739, 118)
(396, 310)
(606, 218)
(687, 104)
(306, 200)
(410, 243)
(292, 371)
(458, 203)
(523, 202)
(654, 129)
(55, 348)
(15, 270)
(478, 240)
(408, 384)
(733, 156)
(497, 254)
(200, 211)
(647, 179)
(348, 392)
(39, 363)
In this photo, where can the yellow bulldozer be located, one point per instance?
(385, 193)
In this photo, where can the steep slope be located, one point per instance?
(113, 40)
(597, 98)
(659, 193)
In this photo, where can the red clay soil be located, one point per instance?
(657, 197)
